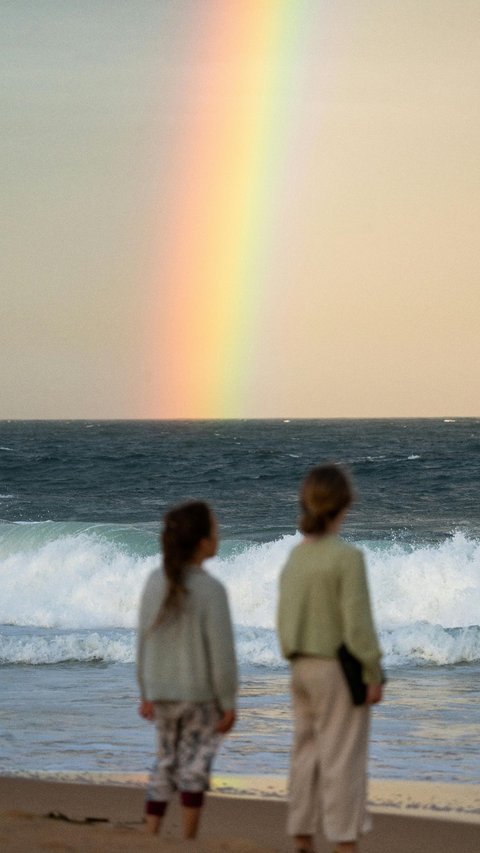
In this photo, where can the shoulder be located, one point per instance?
(331, 553)
(347, 549)
(297, 554)
(296, 564)
(155, 580)
(328, 547)
(205, 583)
(350, 556)
(152, 594)
(211, 597)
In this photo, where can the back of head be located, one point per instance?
(183, 529)
(325, 492)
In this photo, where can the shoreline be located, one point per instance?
(455, 800)
(63, 814)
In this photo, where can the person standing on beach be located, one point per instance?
(186, 666)
(324, 603)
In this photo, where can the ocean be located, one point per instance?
(80, 508)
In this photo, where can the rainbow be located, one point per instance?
(225, 201)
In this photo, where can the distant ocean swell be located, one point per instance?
(70, 593)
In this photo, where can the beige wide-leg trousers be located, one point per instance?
(329, 754)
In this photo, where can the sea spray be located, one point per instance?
(420, 643)
(70, 576)
(34, 647)
(72, 592)
(438, 584)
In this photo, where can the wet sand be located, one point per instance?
(39, 815)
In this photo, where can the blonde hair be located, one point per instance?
(324, 493)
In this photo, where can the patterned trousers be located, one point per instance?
(186, 744)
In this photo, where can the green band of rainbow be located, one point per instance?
(238, 124)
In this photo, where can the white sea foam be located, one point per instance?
(422, 642)
(83, 647)
(85, 587)
(77, 580)
(435, 584)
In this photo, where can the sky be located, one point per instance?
(240, 208)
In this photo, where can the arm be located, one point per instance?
(284, 619)
(141, 632)
(221, 652)
(359, 631)
(146, 707)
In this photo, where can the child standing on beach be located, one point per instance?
(186, 667)
(324, 602)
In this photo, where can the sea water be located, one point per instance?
(80, 504)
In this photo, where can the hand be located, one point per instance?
(374, 693)
(146, 709)
(226, 722)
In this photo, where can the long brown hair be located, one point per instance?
(183, 529)
(324, 493)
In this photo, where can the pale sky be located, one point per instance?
(372, 306)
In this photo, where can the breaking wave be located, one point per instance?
(70, 592)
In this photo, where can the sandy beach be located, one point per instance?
(45, 815)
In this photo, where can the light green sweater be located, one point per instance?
(324, 602)
(189, 656)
